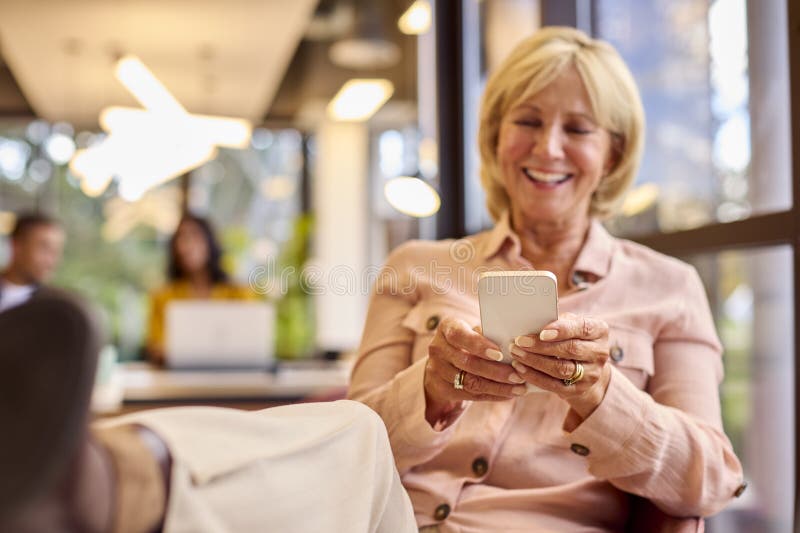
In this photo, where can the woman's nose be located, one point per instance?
(549, 144)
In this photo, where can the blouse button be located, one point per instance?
(617, 353)
(480, 466)
(442, 512)
(580, 449)
(432, 322)
(579, 280)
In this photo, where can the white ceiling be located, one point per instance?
(221, 57)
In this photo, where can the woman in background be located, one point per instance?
(193, 272)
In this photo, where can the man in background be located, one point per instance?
(37, 242)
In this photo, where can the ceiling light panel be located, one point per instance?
(359, 99)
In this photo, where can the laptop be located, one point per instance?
(219, 334)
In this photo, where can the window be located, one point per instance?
(714, 79)
(751, 297)
(491, 30)
(116, 250)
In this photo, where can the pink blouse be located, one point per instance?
(511, 466)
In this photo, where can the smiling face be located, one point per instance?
(552, 154)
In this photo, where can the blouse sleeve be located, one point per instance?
(384, 377)
(667, 444)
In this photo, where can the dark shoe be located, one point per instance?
(48, 354)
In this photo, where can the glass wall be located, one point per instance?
(491, 31)
(714, 79)
(116, 249)
(751, 298)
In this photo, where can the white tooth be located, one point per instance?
(544, 176)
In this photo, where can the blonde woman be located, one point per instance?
(632, 365)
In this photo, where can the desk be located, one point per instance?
(144, 386)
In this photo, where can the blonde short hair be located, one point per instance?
(615, 101)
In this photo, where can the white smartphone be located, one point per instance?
(516, 302)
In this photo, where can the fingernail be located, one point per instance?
(548, 334)
(519, 367)
(491, 353)
(525, 342)
(519, 391)
(515, 378)
(516, 350)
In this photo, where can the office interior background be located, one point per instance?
(309, 189)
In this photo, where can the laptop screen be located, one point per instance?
(219, 334)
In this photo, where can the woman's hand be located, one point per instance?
(457, 348)
(550, 359)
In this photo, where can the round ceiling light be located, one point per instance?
(412, 196)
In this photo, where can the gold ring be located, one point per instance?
(458, 381)
(576, 376)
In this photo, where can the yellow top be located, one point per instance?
(181, 290)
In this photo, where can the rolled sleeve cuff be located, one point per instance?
(409, 396)
(615, 421)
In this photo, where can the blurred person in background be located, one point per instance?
(37, 243)
(630, 418)
(194, 271)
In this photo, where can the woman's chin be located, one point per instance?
(543, 213)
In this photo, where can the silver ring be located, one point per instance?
(458, 381)
(576, 376)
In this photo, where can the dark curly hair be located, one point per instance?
(175, 271)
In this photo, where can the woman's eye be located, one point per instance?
(530, 123)
(578, 130)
